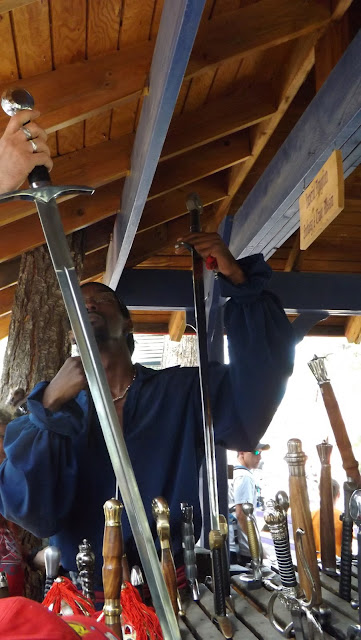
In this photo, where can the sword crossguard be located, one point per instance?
(46, 193)
(355, 507)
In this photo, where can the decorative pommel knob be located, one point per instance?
(193, 201)
(295, 457)
(161, 514)
(52, 561)
(247, 508)
(113, 512)
(15, 99)
(318, 368)
(282, 500)
(355, 507)
(273, 515)
(324, 451)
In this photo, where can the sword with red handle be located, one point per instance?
(44, 194)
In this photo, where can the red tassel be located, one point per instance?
(139, 621)
(64, 598)
(135, 613)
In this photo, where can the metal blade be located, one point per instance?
(99, 388)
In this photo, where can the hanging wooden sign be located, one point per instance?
(323, 200)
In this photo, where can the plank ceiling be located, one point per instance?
(254, 68)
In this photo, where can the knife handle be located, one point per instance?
(112, 564)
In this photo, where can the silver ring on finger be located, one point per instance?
(27, 132)
(34, 145)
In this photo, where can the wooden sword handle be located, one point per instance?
(112, 565)
(301, 517)
(327, 525)
(161, 514)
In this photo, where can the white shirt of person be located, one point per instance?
(240, 490)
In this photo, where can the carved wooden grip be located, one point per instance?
(327, 525)
(112, 564)
(349, 461)
(301, 517)
(161, 515)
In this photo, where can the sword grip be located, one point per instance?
(301, 518)
(188, 543)
(276, 519)
(39, 176)
(161, 514)
(216, 543)
(112, 565)
(346, 559)
(327, 526)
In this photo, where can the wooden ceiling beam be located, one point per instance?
(77, 91)
(82, 89)
(217, 119)
(257, 26)
(95, 165)
(299, 65)
(77, 213)
(9, 5)
(197, 164)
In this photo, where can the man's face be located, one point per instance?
(104, 313)
(252, 459)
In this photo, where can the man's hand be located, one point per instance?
(68, 382)
(17, 157)
(211, 244)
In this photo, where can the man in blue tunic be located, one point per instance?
(57, 474)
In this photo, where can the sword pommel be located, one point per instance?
(295, 457)
(282, 500)
(324, 451)
(16, 99)
(355, 507)
(193, 202)
(112, 512)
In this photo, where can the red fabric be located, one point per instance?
(24, 619)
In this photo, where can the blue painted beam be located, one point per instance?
(334, 293)
(177, 30)
(270, 213)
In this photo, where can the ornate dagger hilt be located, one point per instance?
(253, 581)
(161, 514)
(276, 519)
(112, 564)
(188, 544)
(12, 101)
(52, 562)
(85, 562)
(289, 594)
(327, 526)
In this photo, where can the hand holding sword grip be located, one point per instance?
(13, 101)
(112, 564)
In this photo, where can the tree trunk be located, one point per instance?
(184, 352)
(38, 341)
(37, 347)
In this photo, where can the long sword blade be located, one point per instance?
(215, 537)
(99, 388)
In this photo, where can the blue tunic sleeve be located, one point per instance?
(37, 478)
(261, 347)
